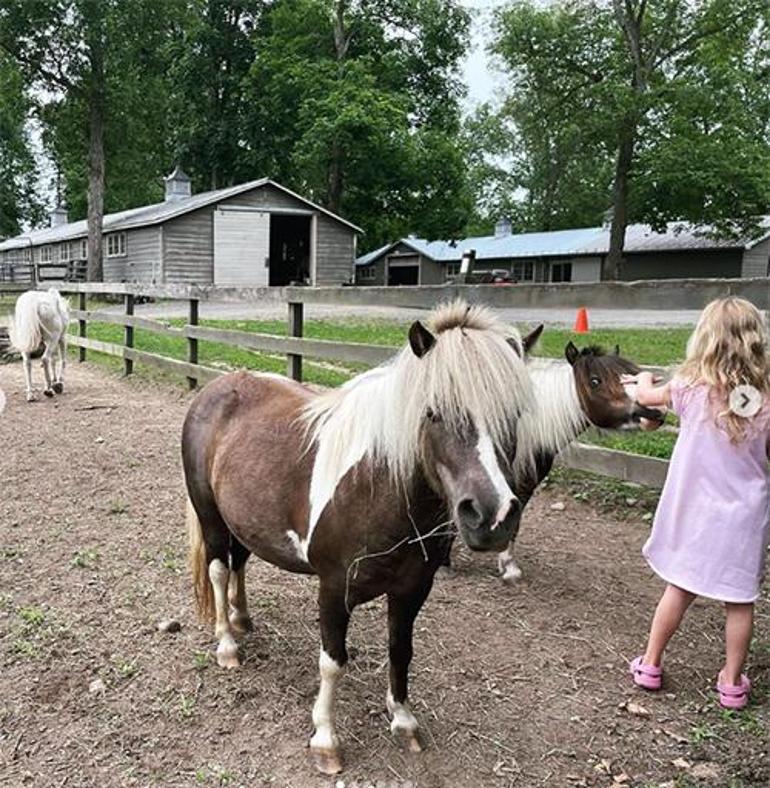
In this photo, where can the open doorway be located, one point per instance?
(289, 249)
(403, 274)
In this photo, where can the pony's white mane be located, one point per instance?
(471, 374)
(556, 419)
(39, 315)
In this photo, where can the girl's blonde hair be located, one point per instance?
(727, 349)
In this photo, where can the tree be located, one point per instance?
(357, 105)
(209, 61)
(18, 173)
(140, 123)
(73, 53)
(618, 82)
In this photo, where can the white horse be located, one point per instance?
(41, 317)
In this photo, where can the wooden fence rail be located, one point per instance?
(664, 294)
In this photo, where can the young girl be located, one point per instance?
(711, 532)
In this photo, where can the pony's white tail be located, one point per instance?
(24, 326)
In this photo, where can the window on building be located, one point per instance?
(84, 249)
(523, 271)
(116, 245)
(367, 272)
(453, 269)
(561, 272)
(45, 254)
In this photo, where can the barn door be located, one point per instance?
(241, 248)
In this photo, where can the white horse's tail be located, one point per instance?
(24, 327)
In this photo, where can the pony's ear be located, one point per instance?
(617, 350)
(571, 353)
(420, 339)
(530, 340)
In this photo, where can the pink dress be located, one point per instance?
(711, 529)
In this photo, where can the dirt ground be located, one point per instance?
(513, 687)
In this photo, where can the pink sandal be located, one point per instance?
(649, 677)
(734, 696)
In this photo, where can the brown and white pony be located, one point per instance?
(569, 400)
(358, 485)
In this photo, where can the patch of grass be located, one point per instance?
(702, 732)
(34, 631)
(170, 560)
(33, 617)
(24, 647)
(125, 668)
(10, 553)
(745, 721)
(118, 507)
(652, 444)
(608, 495)
(201, 660)
(85, 558)
(651, 346)
(186, 705)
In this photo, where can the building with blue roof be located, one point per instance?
(578, 255)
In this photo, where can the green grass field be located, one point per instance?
(645, 346)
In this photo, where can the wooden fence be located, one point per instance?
(652, 295)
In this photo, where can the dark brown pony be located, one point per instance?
(569, 400)
(359, 485)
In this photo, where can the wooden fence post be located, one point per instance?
(82, 324)
(192, 344)
(294, 360)
(128, 363)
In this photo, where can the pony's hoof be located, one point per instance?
(31, 397)
(512, 576)
(509, 572)
(58, 388)
(48, 392)
(408, 739)
(241, 623)
(327, 761)
(228, 659)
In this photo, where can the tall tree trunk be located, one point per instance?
(97, 104)
(342, 37)
(625, 158)
(335, 185)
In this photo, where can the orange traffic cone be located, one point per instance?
(581, 321)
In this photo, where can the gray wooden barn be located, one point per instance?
(570, 256)
(255, 234)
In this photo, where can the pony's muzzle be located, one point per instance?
(487, 529)
(642, 412)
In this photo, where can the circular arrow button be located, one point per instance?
(745, 401)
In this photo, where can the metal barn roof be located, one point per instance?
(152, 214)
(569, 243)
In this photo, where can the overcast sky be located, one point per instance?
(481, 80)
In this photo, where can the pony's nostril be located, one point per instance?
(468, 513)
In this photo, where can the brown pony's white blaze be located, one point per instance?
(359, 486)
(569, 399)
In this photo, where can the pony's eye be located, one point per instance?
(595, 382)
